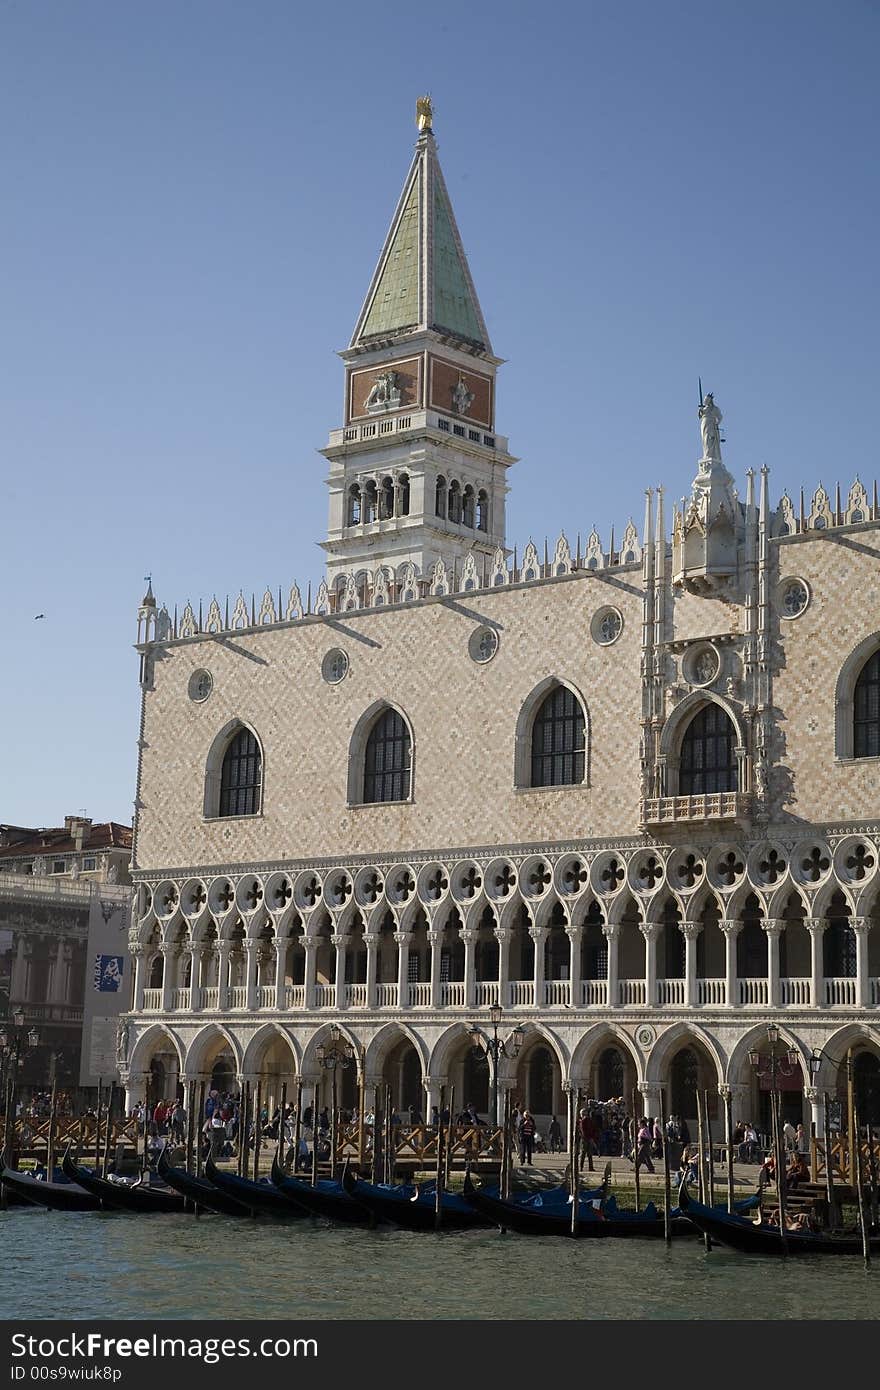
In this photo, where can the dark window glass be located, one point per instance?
(387, 764)
(708, 762)
(866, 710)
(241, 777)
(839, 950)
(558, 741)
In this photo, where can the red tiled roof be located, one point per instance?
(58, 840)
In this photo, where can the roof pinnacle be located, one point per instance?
(424, 113)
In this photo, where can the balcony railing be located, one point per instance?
(265, 996)
(795, 991)
(874, 987)
(556, 993)
(180, 997)
(486, 993)
(452, 994)
(325, 996)
(50, 1012)
(295, 996)
(419, 995)
(670, 991)
(594, 993)
(715, 806)
(356, 996)
(631, 992)
(711, 991)
(840, 991)
(521, 993)
(754, 991)
(152, 999)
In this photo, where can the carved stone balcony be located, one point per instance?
(687, 810)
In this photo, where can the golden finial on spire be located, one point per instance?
(424, 113)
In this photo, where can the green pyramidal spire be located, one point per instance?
(423, 279)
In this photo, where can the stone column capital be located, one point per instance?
(860, 925)
(338, 939)
(812, 1094)
(611, 930)
(309, 943)
(774, 926)
(725, 1089)
(574, 933)
(468, 935)
(538, 934)
(690, 930)
(650, 930)
(402, 938)
(371, 939)
(815, 925)
(730, 926)
(502, 935)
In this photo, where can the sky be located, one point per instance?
(196, 196)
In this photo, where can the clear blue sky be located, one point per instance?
(195, 197)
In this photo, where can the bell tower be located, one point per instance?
(417, 472)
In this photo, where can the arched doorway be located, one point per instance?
(866, 1085)
(539, 1083)
(692, 1071)
(403, 1073)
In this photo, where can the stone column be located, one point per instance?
(169, 972)
(690, 931)
(650, 1093)
(223, 952)
(340, 941)
(740, 1101)
(539, 936)
(773, 928)
(402, 941)
(250, 948)
(432, 1086)
(731, 929)
(468, 936)
(202, 958)
(135, 1089)
(860, 926)
(611, 932)
(19, 970)
(574, 935)
(650, 931)
(503, 937)
(138, 955)
(58, 992)
(282, 945)
(816, 927)
(435, 939)
(817, 1110)
(310, 946)
(371, 941)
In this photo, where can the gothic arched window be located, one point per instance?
(839, 950)
(388, 759)
(386, 500)
(454, 502)
(482, 511)
(354, 505)
(241, 777)
(558, 740)
(468, 505)
(866, 710)
(440, 498)
(708, 760)
(403, 495)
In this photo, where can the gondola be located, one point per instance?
(751, 1238)
(123, 1196)
(328, 1198)
(413, 1208)
(259, 1197)
(197, 1191)
(555, 1220)
(56, 1196)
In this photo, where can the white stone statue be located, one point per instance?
(710, 427)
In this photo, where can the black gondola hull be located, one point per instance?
(409, 1214)
(258, 1197)
(119, 1196)
(333, 1205)
(56, 1196)
(197, 1191)
(749, 1239)
(537, 1222)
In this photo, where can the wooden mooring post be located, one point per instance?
(53, 1116)
(833, 1215)
(860, 1191)
(108, 1125)
(707, 1239)
(98, 1129)
(635, 1150)
(200, 1144)
(438, 1174)
(315, 1135)
(667, 1183)
(728, 1127)
(258, 1128)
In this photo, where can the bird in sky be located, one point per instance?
(37, 616)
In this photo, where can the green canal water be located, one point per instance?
(95, 1265)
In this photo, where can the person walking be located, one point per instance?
(643, 1146)
(527, 1130)
(588, 1132)
(554, 1136)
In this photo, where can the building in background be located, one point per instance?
(64, 900)
(624, 789)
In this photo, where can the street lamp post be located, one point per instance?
(337, 1053)
(778, 1063)
(12, 1036)
(495, 1047)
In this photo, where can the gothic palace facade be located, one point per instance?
(627, 791)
